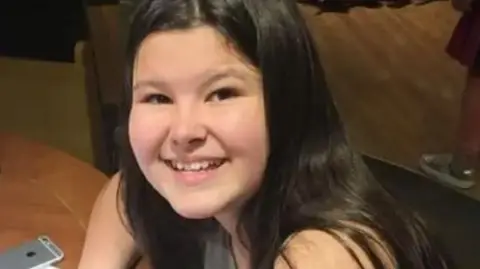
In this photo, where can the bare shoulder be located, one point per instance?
(108, 243)
(320, 249)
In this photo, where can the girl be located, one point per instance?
(234, 155)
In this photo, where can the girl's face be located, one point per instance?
(197, 124)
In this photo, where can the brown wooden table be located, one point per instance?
(45, 191)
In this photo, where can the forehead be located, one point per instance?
(184, 53)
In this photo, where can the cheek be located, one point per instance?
(145, 132)
(247, 134)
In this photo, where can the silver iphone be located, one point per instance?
(36, 254)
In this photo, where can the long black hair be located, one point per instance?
(313, 180)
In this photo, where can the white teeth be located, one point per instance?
(193, 166)
(196, 166)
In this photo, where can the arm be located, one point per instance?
(108, 245)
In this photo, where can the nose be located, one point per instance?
(187, 131)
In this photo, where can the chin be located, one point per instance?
(192, 210)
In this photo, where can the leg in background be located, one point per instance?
(457, 169)
(467, 148)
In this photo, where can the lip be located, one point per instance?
(194, 178)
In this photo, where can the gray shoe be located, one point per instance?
(437, 167)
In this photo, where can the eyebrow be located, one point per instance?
(211, 75)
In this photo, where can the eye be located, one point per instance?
(157, 99)
(222, 94)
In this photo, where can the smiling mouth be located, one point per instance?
(195, 166)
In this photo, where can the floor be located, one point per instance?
(396, 89)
